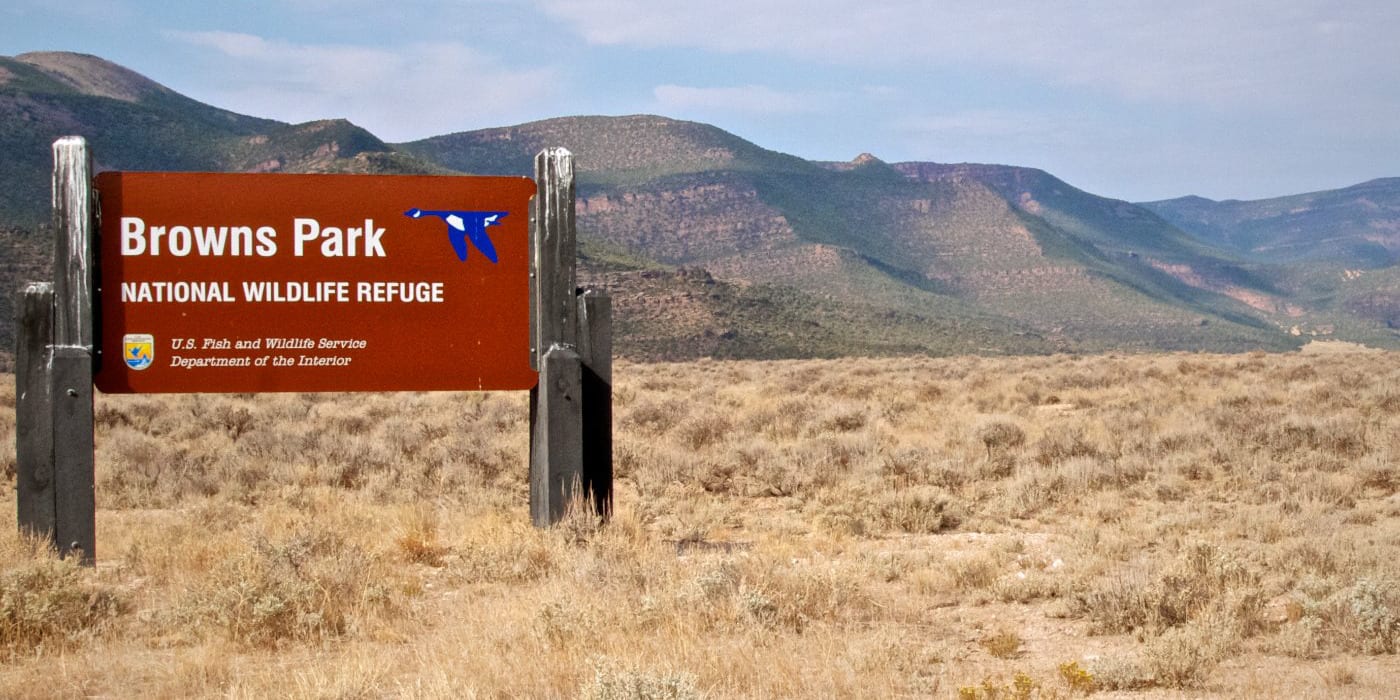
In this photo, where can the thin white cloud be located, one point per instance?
(980, 124)
(746, 99)
(1198, 50)
(407, 92)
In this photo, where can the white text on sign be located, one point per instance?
(138, 238)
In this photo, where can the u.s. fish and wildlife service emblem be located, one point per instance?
(138, 350)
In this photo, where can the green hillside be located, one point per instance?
(609, 151)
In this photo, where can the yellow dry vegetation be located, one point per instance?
(1045, 527)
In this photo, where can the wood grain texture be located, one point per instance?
(75, 503)
(554, 252)
(556, 440)
(34, 490)
(73, 224)
(70, 356)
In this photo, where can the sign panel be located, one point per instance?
(254, 282)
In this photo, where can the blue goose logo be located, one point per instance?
(464, 226)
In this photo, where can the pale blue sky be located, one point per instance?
(1130, 99)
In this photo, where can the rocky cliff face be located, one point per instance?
(685, 220)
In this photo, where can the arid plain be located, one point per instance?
(1036, 527)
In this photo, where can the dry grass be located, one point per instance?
(1029, 527)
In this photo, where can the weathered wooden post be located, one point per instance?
(571, 408)
(34, 411)
(556, 404)
(553, 253)
(54, 402)
(595, 347)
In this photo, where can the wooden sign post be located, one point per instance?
(251, 282)
(54, 392)
(571, 407)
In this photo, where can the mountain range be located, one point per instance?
(714, 246)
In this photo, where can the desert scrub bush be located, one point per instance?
(1101, 377)
(917, 510)
(1379, 475)
(1364, 617)
(1203, 579)
(1021, 687)
(782, 421)
(840, 418)
(654, 416)
(612, 681)
(44, 599)
(1120, 672)
(1004, 643)
(1179, 441)
(928, 391)
(700, 431)
(1034, 490)
(351, 461)
(1334, 435)
(1097, 473)
(619, 554)
(811, 465)
(1063, 444)
(444, 466)
(975, 571)
(9, 463)
(568, 622)
(1287, 516)
(999, 433)
(309, 586)
(1077, 678)
(792, 595)
(1387, 402)
(418, 540)
(1180, 657)
(232, 417)
(1297, 373)
(654, 466)
(1303, 639)
(407, 437)
(1025, 586)
(1032, 391)
(704, 596)
(496, 551)
(905, 465)
(135, 469)
(1183, 656)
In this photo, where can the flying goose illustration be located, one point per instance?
(463, 226)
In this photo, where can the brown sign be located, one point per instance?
(250, 283)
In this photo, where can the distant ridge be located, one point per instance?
(620, 149)
(1357, 225)
(90, 75)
